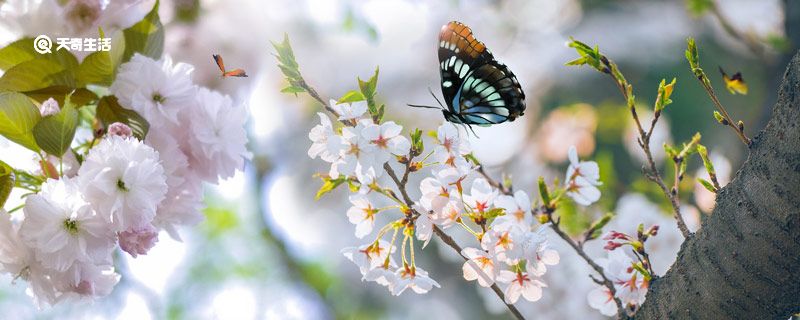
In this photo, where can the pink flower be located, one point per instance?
(521, 284)
(138, 240)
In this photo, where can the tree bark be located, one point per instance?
(744, 263)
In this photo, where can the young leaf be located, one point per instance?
(145, 37)
(54, 133)
(7, 180)
(707, 185)
(23, 50)
(37, 74)
(18, 116)
(329, 185)
(109, 111)
(368, 89)
(351, 96)
(100, 67)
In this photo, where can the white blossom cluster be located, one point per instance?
(124, 191)
(512, 249)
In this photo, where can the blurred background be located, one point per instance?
(268, 250)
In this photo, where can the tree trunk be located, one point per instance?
(745, 261)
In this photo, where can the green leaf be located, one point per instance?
(351, 96)
(18, 116)
(494, 213)
(37, 74)
(329, 185)
(707, 185)
(109, 111)
(79, 97)
(145, 37)
(22, 51)
(100, 67)
(7, 180)
(54, 133)
(293, 89)
(543, 192)
(368, 89)
(596, 229)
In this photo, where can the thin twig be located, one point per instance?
(597, 268)
(749, 42)
(644, 143)
(728, 120)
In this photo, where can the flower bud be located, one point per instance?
(120, 129)
(49, 107)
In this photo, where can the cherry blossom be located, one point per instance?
(582, 179)
(517, 209)
(63, 229)
(481, 266)
(387, 140)
(600, 298)
(414, 278)
(362, 214)
(521, 284)
(326, 144)
(349, 111)
(369, 256)
(481, 195)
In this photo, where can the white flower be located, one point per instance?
(386, 137)
(156, 90)
(582, 179)
(17, 259)
(362, 214)
(123, 181)
(449, 139)
(434, 194)
(423, 226)
(138, 240)
(85, 282)
(366, 177)
(369, 256)
(181, 207)
(349, 111)
(326, 144)
(449, 214)
(505, 243)
(218, 140)
(63, 229)
(600, 298)
(479, 266)
(521, 283)
(481, 195)
(517, 209)
(414, 278)
(357, 151)
(535, 251)
(630, 284)
(382, 275)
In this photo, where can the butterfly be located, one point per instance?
(477, 89)
(734, 84)
(225, 74)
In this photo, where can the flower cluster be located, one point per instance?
(629, 270)
(124, 190)
(511, 250)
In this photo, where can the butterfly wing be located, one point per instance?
(459, 53)
(477, 89)
(491, 95)
(235, 73)
(220, 63)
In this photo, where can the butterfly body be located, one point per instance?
(735, 84)
(477, 88)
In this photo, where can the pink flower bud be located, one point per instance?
(653, 230)
(49, 107)
(136, 241)
(120, 129)
(611, 245)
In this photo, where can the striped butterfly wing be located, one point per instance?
(476, 88)
(490, 95)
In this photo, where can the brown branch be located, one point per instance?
(621, 314)
(644, 143)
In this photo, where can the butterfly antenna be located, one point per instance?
(421, 106)
(434, 97)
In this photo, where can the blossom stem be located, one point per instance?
(644, 143)
(597, 268)
(401, 185)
